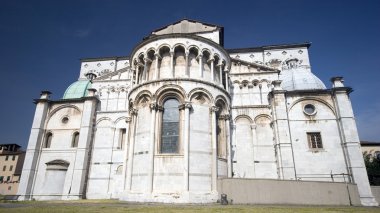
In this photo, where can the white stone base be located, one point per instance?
(50, 197)
(369, 201)
(181, 197)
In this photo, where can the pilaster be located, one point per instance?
(34, 147)
(82, 157)
(351, 142)
(284, 147)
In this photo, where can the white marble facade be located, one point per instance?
(233, 113)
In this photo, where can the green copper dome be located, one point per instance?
(77, 89)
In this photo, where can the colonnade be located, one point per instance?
(142, 67)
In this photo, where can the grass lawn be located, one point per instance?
(117, 206)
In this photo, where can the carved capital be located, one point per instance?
(147, 60)
(128, 119)
(153, 106)
(214, 109)
(160, 108)
(185, 105)
(253, 126)
(188, 105)
(157, 56)
(133, 111)
(210, 60)
(225, 117)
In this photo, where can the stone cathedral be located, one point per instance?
(181, 113)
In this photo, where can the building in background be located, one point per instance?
(11, 161)
(181, 113)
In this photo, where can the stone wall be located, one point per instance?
(260, 191)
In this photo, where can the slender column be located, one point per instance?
(214, 173)
(187, 73)
(226, 76)
(153, 108)
(200, 56)
(156, 71)
(131, 149)
(228, 144)
(221, 74)
(254, 147)
(145, 72)
(137, 74)
(233, 144)
(126, 149)
(134, 76)
(172, 63)
(186, 138)
(211, 61)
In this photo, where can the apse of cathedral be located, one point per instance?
(181, 114)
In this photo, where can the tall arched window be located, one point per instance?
(48, 138)
(75, 140)
(170, 127)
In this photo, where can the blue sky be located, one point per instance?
(41, 43)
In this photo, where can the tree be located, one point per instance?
(372, 164)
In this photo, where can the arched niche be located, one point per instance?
(179, 61)
(165, 65)
(243, 161)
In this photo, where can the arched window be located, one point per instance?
(170, 127)
(74, 141)
(48, 138)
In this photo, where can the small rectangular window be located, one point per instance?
(14, 157)
(315, 140)
(6, 157)
(8, 178)
(1, 179)
(10, 168)
(4, 168)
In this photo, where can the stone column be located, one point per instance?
(83, 153)
(284, 146)
(200, 56)
(226, 79)
(145, 73)
(211, 61)
(133, 113)
(220, 74)
(186, 138)
(156, 71)
(214, 173)
(228, 144)
(35, 143)
(350, 141)
(133, 71)
(126, 149)
(254, 147)
(187, 73)
(233, 145)
(172, 63)
(137, 74)
(153, 108)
